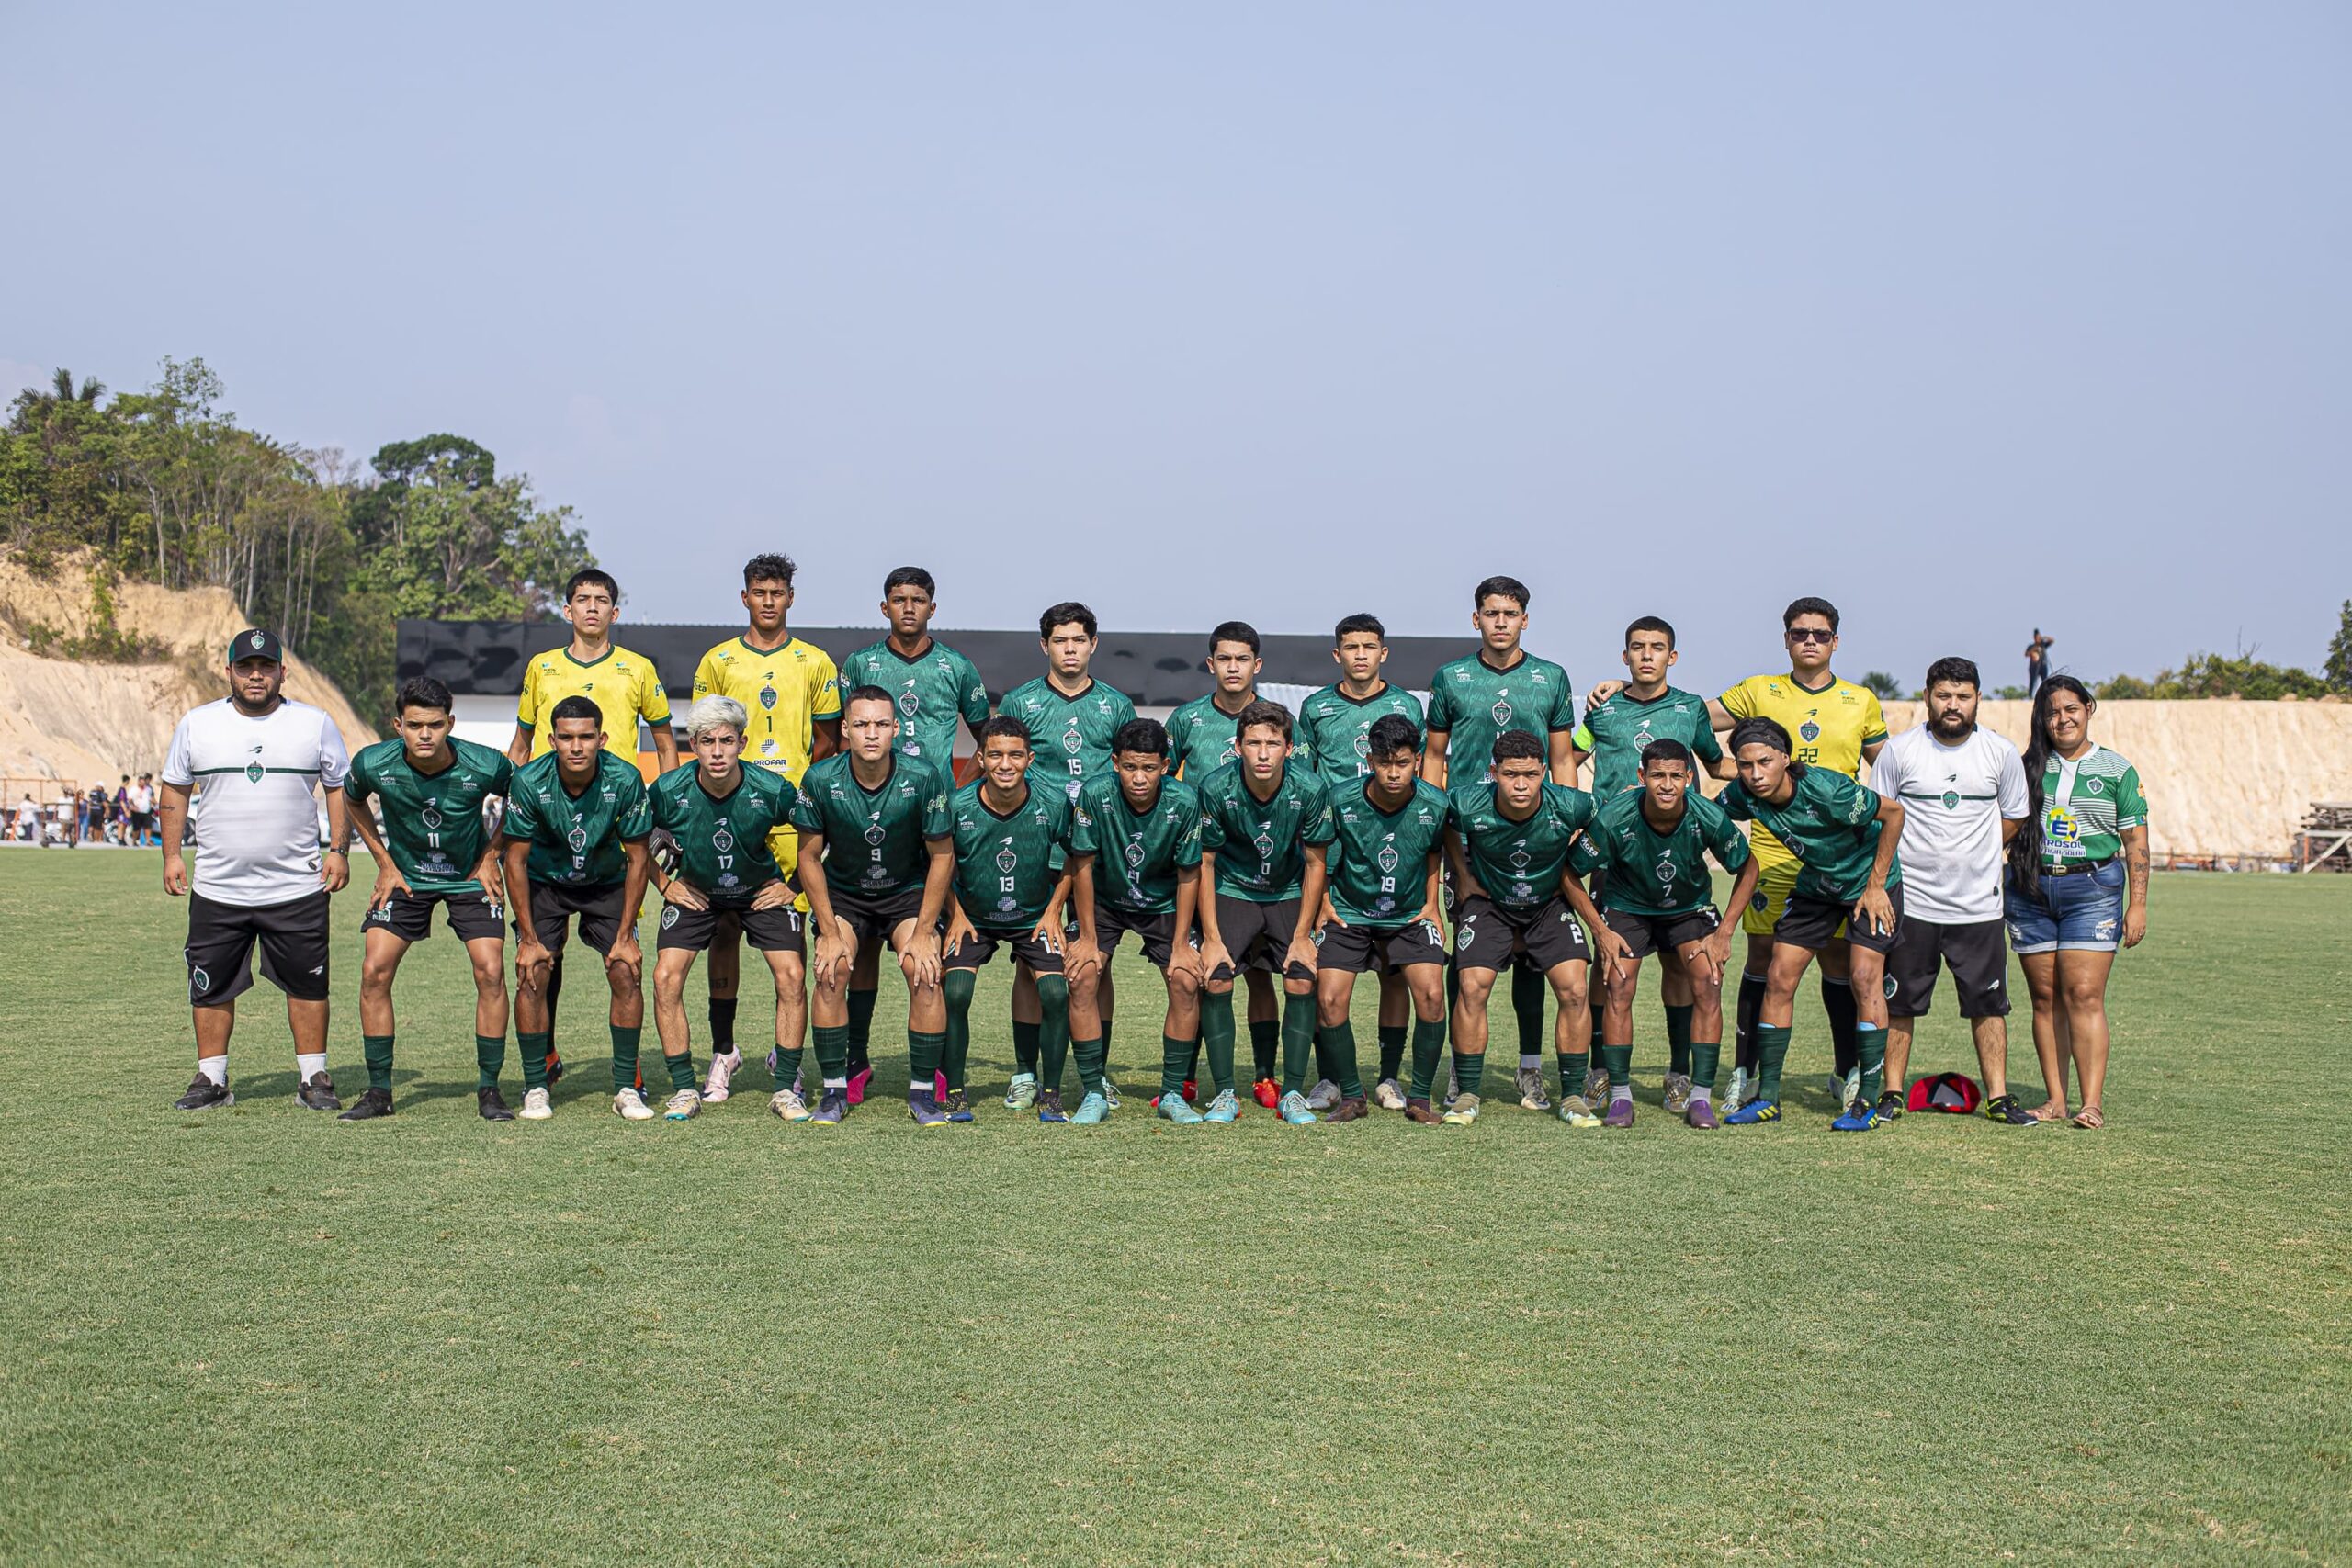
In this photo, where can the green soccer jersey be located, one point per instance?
(1520, 863)
(1829, 824)
(1615, 732)
(2087, 804)
(1006, 865)
(1333, 725)
(723, 839)
(934, 690)
(877, 841)
(1650, 872)
(432, 822)
(1379, 860)
(1138, 854)
(576, 839)
(1202, 737)
(1261, 844)
(1072, 735)
(1473, 702)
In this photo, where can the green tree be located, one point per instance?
(2338, 669)
(1887, 687)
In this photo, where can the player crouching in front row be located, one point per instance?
(722, 814)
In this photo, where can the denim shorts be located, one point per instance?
(2080, 913)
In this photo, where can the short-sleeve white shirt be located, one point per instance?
(255, 814)
(1954, 799)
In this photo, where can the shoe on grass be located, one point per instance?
(1576, 1112)
(923, 1106)
(491, 1105)
(1388, 1094)
(1462, 1112)
(1699, 1114)
(832, 1106)
(1267, 1092)
(1532, 1095)
(2005, 1110)
(319, 1094)
(1422, 1111)
(629, 1104)
(1754, 1113)
(1093, 1112)
(723, 1065)
(1049, 1107)
(1225, 1110)
(1295, 1110)
(1323, 1096)
(958, 1106)
(1676, 1098)
(1352, 1108)
(684, 1106)
(1621, 1112)
(369, 1106)
(538, 1105)
(1171, 1108)
(1021, 1092)
(203, 1095)
(789, 1104)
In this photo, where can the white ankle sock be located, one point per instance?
(215, 1068)
(309, 1064)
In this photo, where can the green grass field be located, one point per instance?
(259, 1335)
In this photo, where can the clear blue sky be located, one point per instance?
(1969, 318)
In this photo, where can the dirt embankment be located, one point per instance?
(80, 723)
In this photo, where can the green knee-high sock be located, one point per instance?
(1619, 1062)
(956, 987)
(1870, 1045)
(722, 1025)
(490, 1059)
(832, 1055)
(1706, 1056)
(1027, 1039)
(535, 1058)
(1678, 1038)
(787, 1065)
(1089, 1055)
(1772, 1054)
(1339, 1044)
(861, 1028)
(1529, 991)
(924, 1052)
(1392, 1050)
(1193, 1059)
(1174, 1056)
(1299, 1040)
(1575, 1066)
(682, 1069)
(1428, 1046)
(1837, 1001)
(1217, 1037)
(1265, 1034)
(1469, 1071)
(625, 1057)
(1053, 1034)
(377, 1048)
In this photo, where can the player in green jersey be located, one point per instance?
(1649, 847)
(1138, 835)
(573, 841)
(1070, 719)
(431, 787)
(1384, 894)
(1472, 700)
(1508, 848)
(1334, 725)
(1842, 836)
(1614, 735)
(932, 686)
(876, 862)
(1259, 816)
(1013, 881)
(722, 815)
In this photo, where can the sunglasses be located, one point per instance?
(1811, 634)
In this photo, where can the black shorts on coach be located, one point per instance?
(1811, 923)
(770, 930)
(599, 906)
(976, 950)
(1485, 935)
(1645, 934)
(1257, 936)
(292, 937)
(1360, 949)
(409, 915)
(1977, 953)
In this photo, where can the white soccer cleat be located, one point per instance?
(1532, 1093)
(537, 1105)
(1323, 1096)
(723, 1067)
(1847, 1088)
(684, 1106)
(630, 1104)
(1390, 1094)
(789, 1104)
(1736, 1095)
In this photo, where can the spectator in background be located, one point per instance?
(2037, 662)
(142, 811)
(28, 821)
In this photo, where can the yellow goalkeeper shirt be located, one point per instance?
(1827, 728)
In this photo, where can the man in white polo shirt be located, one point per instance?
(252, 761)
(1963, 798)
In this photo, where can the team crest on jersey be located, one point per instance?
(874, 835)
(1006, 860)
(1519, 859)
(578, 839)
(1500, 712)
(1642, 736)
(1135, 853)
(429, 817)
(767, 696)
(1809, 731)
(1951, 800)
(1386, 857)
(1666, 870)
(2095, 787)
(1265, 845)
(722, 840)
(1073, 741)
(1363, 745)
(908, 704)
(254, 768)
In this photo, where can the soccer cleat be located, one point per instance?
(1388, 1094)
(1858, 1118)
(1295, 1110)
(1021, 1093)
(1699, 1114)
(858, 1083)
(1621, 1112)
(1576, 1112)
(1890, 1106)
(959, 1108)
(1091, 1112)
(374, 1102)
(1223, 1109)
(491, 1105)
(537, 1105)
(1739, 1093)
(1532, 1093)
(204, 1094)
(789, 1104)
(630, 1104)
(1422, 1111)
(1191, 1091)
(1049, 1107)
(723, 1065)
(1754, 1113)
(925, 1109)
(2005, 1108)
(832, 1106)
(1110, 1092)
(1596, 1085)
(1267, 1092)
(684, 1106)
(1352, 1108)
(1677, 1099)
(1171, 1108)
(1323, 1096)
(1845, 1087)
(1462, 1112)
(319, 1093)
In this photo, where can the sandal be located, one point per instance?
(2088, 1118)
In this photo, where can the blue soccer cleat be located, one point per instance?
(1225, 1108)
(1091, 1112)
(1049, 1107)
(959, 1108)
(1172, 1108)
(1754, 1112)
(1295, 1110)
(1859, 1118)
(925, 1108)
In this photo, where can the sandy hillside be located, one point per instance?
(81, 723)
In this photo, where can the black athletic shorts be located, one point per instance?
(599, 906)
(975, 951)
(1811, 922)
(770, 930)
(1647, 934)
(221, 941)
(409, 915)
(1359, 950)
(875, 922)
(1485, 935)
(1157, 933)
(1978, 953)
(1257, 936)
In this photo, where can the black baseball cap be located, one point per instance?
(255, 643)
